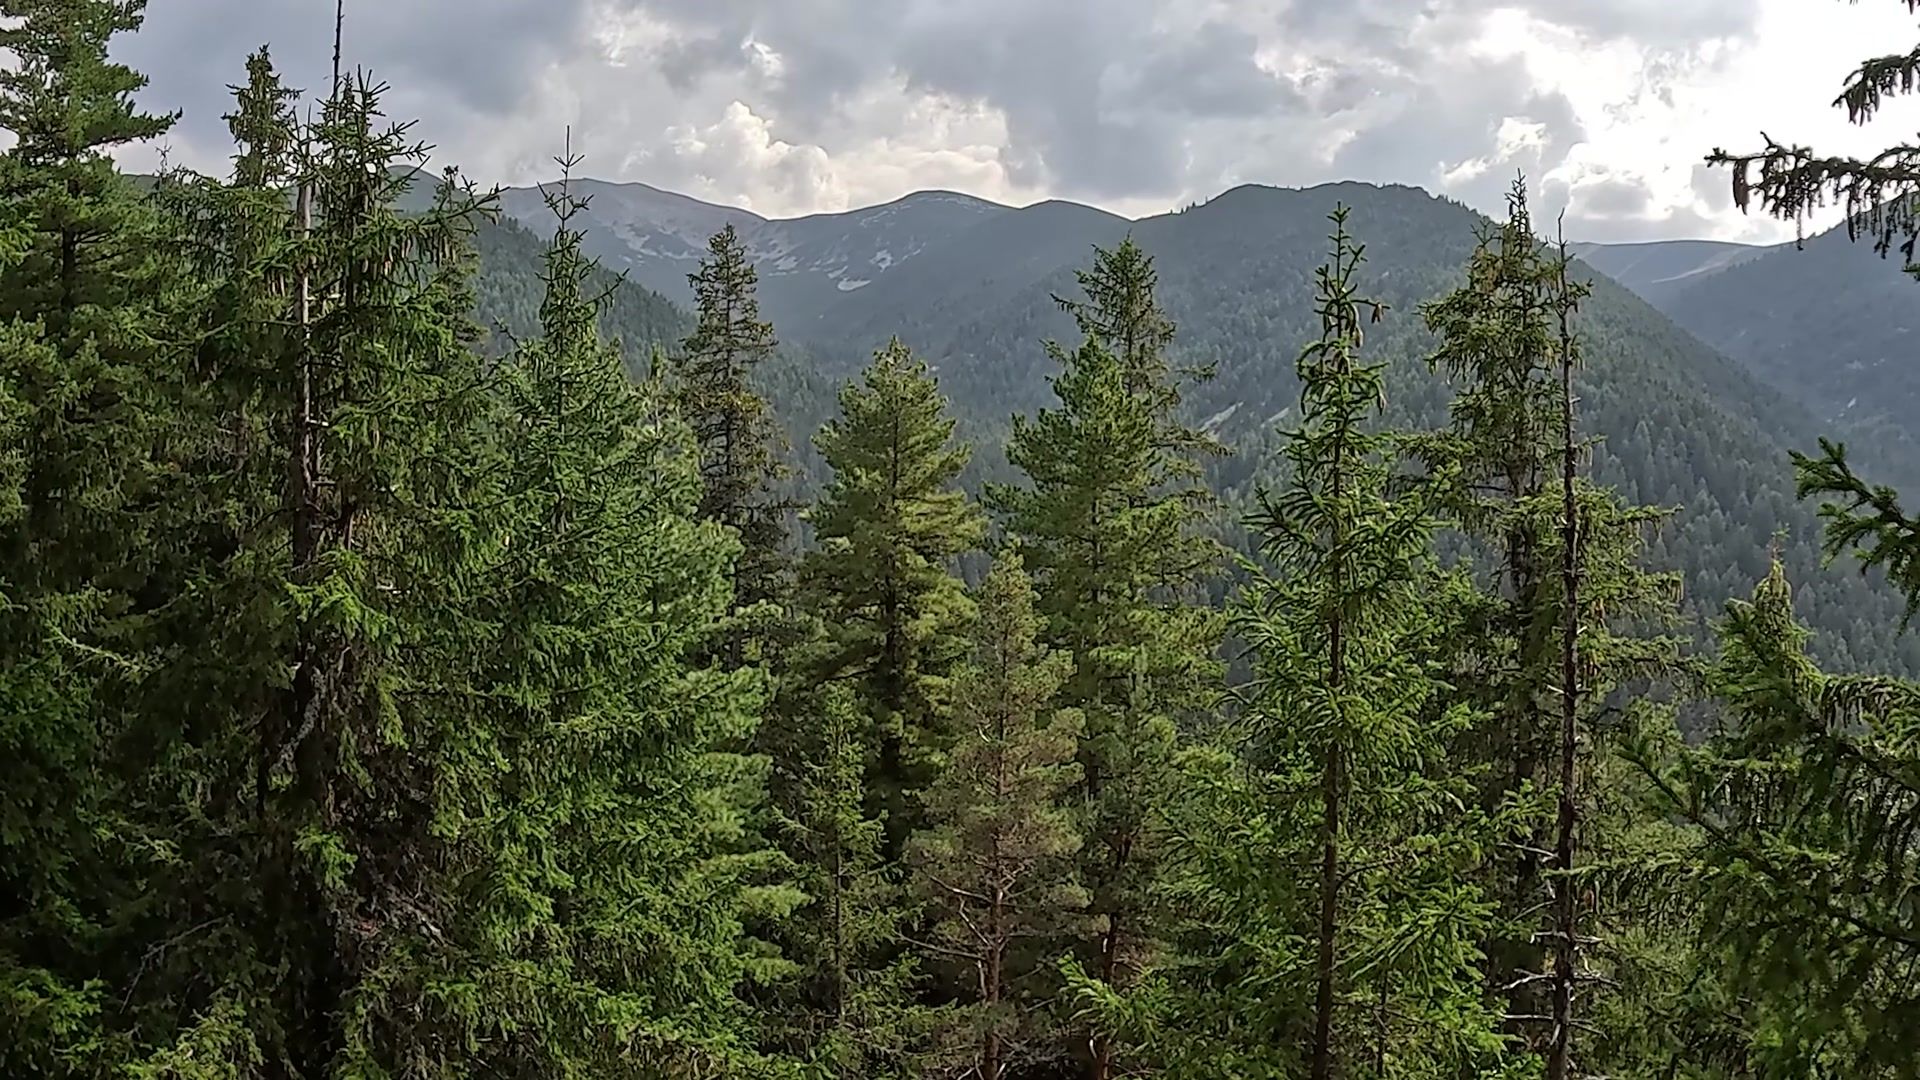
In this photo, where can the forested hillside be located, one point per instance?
(1679, 425)
(1830, 323)
(1267, 641)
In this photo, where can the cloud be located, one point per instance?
(793, 106)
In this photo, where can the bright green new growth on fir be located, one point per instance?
(996, 862)
(888, 529)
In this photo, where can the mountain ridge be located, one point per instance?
(1684, 425)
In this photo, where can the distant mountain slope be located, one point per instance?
(988, 271)
(1832, 325)
(969, 284)
(1683, 425)
(658, 238)
(1656, 269)
(508, 288)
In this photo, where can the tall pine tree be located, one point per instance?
(996, 860)
(888, 531)
(1110, 531)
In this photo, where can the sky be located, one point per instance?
(789, 107)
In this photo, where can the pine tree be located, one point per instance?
(997, 858)
(78, 296)
(888, 530)
(1113, 541)
(739, 443)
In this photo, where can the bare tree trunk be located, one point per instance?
(1332, 795)
(1565, 914)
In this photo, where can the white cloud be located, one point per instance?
(794, 106)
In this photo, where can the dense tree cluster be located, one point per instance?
(385, 693)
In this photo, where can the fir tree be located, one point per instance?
(996, 860)
(714, 388)
(1113, 542)
(888, 530)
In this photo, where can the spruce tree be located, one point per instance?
(388, 439)
(997, 858)
(1806, 801)
(1349, 720)
(1879, 194)
(1493, 466)
(888, 530)
(1509, 471)
(1112, 538)
(1804, 810)
(592, 839)
(1122, 310)
(739, 442)
(859, 1016)
(78, 295)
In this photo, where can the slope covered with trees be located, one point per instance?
(1829, 323)
(421, 659)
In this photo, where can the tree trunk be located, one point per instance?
(1565, 915)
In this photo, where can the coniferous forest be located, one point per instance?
(424, 655)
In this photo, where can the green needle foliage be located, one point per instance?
(382, 698)
(1805, 809)
(859, 1016)
(1369, 896)
(740, 467)
(996, 861)
(888, 531)
(82, 410)
(1112, 538)
(598, 829)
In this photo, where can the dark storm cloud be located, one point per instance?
(465, 59)
(1614, 198)
(1101, 99)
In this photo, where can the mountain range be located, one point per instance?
(1708, 362)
